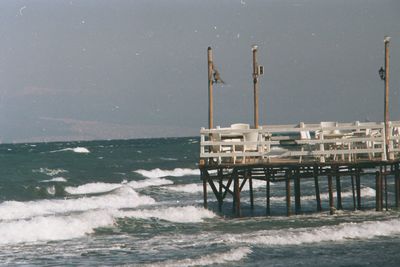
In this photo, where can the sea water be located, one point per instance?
(139, 203)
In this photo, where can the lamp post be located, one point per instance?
(384, 75)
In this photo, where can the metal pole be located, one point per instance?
(210, 88)
(386, 41)
(255, 85)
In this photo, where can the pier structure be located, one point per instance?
(233, 157)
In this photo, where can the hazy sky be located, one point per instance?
(94, 69)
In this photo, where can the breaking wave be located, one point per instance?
(124, 197)
(50, 228)
(92, 188)
(55, 179)
(231, 256)
(61, 225)
(177, 172)
(188, 214)
(341, 232)
(100, 187)
(75, 149)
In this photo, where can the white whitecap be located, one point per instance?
(92, 188)
(51, 190)
(49, 228)
(188, 214)
(187, 188)
(55, 179)
(341, 232)
(75, 149)
(228, 257)
(124, 197)
(149, 182)
(50, 172)
(177, 172)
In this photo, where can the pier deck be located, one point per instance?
(231, 158)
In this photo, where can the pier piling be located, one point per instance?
(330, 193)
(288, 193)
(317, 193)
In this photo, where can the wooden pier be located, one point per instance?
(232, 158)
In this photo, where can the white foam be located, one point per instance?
(365, 192)
(50, 172)
(187, 188)
(188, 214)
(232, 255)
(92, 188)
(341, 232)
(100, 187)
(53, 227)
(55, 179)
(75, 149)
(177, 172)
(124, 197)
(149, 182)
(51, 190)
(169, 159)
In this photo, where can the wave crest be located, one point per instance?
(177, 172)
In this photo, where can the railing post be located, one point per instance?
(322, 146)
(390, 138)
(384, 148)
(202, 150)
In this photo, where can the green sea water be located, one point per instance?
(139, 203)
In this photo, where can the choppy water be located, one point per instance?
(139, 203)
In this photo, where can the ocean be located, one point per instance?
(140, 203)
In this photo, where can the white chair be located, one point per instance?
(243, 126)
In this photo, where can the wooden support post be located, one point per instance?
(358, 190)
(297, 192)
(255, 85)
(330, 192)
(386, 191)
(210, 88)
(317, 193)
(378, 190)
(353, 192)
(268, 195)
(204, 177)
(250, 178)
(338, 193)
(288, 193)
(386, 79)
(220, 193)
(237, 193)
(397, 185)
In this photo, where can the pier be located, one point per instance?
(233, 157)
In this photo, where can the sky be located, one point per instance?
(99, 69)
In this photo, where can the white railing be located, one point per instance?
(324, 142)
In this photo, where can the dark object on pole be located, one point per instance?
(382, 74)
(217, 76)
